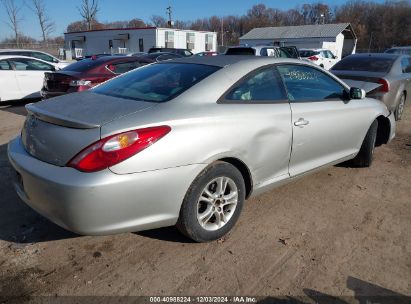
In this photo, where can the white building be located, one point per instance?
(339, 38)
(137, 40)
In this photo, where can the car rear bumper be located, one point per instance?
(102, 202)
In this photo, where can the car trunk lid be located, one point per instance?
(59, 82)
(57, 129)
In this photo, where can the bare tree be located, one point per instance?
(89, 10)
(47, 26)
(158, 21)
(13, 14)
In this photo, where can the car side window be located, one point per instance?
(23, 64)
(167, 57)
(406, 65)
(264, 85)
(304, 83)
(330, 55)
(122, 67)
(41, 56)
(4, 65)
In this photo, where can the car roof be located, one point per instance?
(19, 56)
(316, 50)
(23, 50)
(378, 55)
(400, 47)
(110, 58)
(224, 60)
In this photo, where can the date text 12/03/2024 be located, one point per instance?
(203, 299)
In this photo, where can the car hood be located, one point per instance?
(85, 109)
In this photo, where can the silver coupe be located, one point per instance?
(185, 142)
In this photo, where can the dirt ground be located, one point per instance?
(338, 234)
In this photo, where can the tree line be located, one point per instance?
(377, 25)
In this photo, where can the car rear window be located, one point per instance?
(157, 82)
(362, 63)
(82, 65)
(240, 51)
(308, 53)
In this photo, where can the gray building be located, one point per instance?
(338, 38)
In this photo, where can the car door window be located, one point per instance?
(42, 56)
(324, 54)
(262, 86)
(122, 67)
(406, 65)
(167, 57)
(330, 55)
(23, 64)
(4, 65)
(304, 83)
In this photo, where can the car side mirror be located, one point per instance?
(335, 57)
(357, 93)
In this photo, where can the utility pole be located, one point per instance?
(169, 11)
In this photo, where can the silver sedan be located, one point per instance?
(387, 77)
(186, 141)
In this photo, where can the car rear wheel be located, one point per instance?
(366, 154)
(400, 107)
(213, 203)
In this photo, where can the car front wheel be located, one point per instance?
(213, 203)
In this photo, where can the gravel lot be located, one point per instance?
(341, 232)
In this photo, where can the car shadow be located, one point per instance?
(170, 234)
(16, 106)
(363, 292)
(20, 224)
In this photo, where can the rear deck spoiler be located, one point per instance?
(58, 119)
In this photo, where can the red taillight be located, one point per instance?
(385, 85)
(114, 149)
(313, 58)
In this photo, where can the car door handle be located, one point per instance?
(301, 122)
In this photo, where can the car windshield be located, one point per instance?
(82, 65)
(362, 63)
(156, 82)
(308, 53)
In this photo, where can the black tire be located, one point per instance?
(189, 224)
(400, 107)
(365, 156)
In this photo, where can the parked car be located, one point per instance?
(322, 57)
(271, 51)
(162, 145)
(403, 50)
(388, 74)
(201, 54)
(87, 73)
(21, 77)
(137, 54)
(181, 52)
(158, 56)
(36, 54)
